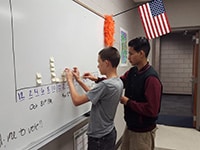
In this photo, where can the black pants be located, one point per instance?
(106, 142)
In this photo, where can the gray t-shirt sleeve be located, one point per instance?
(96, 93)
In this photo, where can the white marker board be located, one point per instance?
(33, 31)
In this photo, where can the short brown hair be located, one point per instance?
(111, 54)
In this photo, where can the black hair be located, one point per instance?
(140, 43)
(111, 54)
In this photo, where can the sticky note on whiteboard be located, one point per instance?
(51, 60)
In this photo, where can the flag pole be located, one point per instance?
(128, 9)
(124, 11)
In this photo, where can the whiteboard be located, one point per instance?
(32, 32)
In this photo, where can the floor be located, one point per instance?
(177, 105)
(176, 110)
(176, 137)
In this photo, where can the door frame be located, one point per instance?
(196, 56)
(196, 82)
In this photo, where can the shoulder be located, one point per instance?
(112, 80)
(153, 80)
(150, 71)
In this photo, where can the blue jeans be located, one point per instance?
(106, 142)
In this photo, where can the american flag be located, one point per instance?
(154, 19)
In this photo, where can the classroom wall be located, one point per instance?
(181, 13)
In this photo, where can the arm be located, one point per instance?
(76, 98)
(150, 108)
(88, 75)
(83, 85)
(93, 78)
(78, 79)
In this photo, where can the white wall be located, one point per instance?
(183, 13)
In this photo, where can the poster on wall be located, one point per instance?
(123, 47)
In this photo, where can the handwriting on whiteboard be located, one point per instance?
(13, 135)
(35, 92)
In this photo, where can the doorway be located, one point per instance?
(174, 58)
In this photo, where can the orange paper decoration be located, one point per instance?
(109, 26)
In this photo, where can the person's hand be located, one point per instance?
(88, 75)
(76, 73)
(69, 75)
(124, 100)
